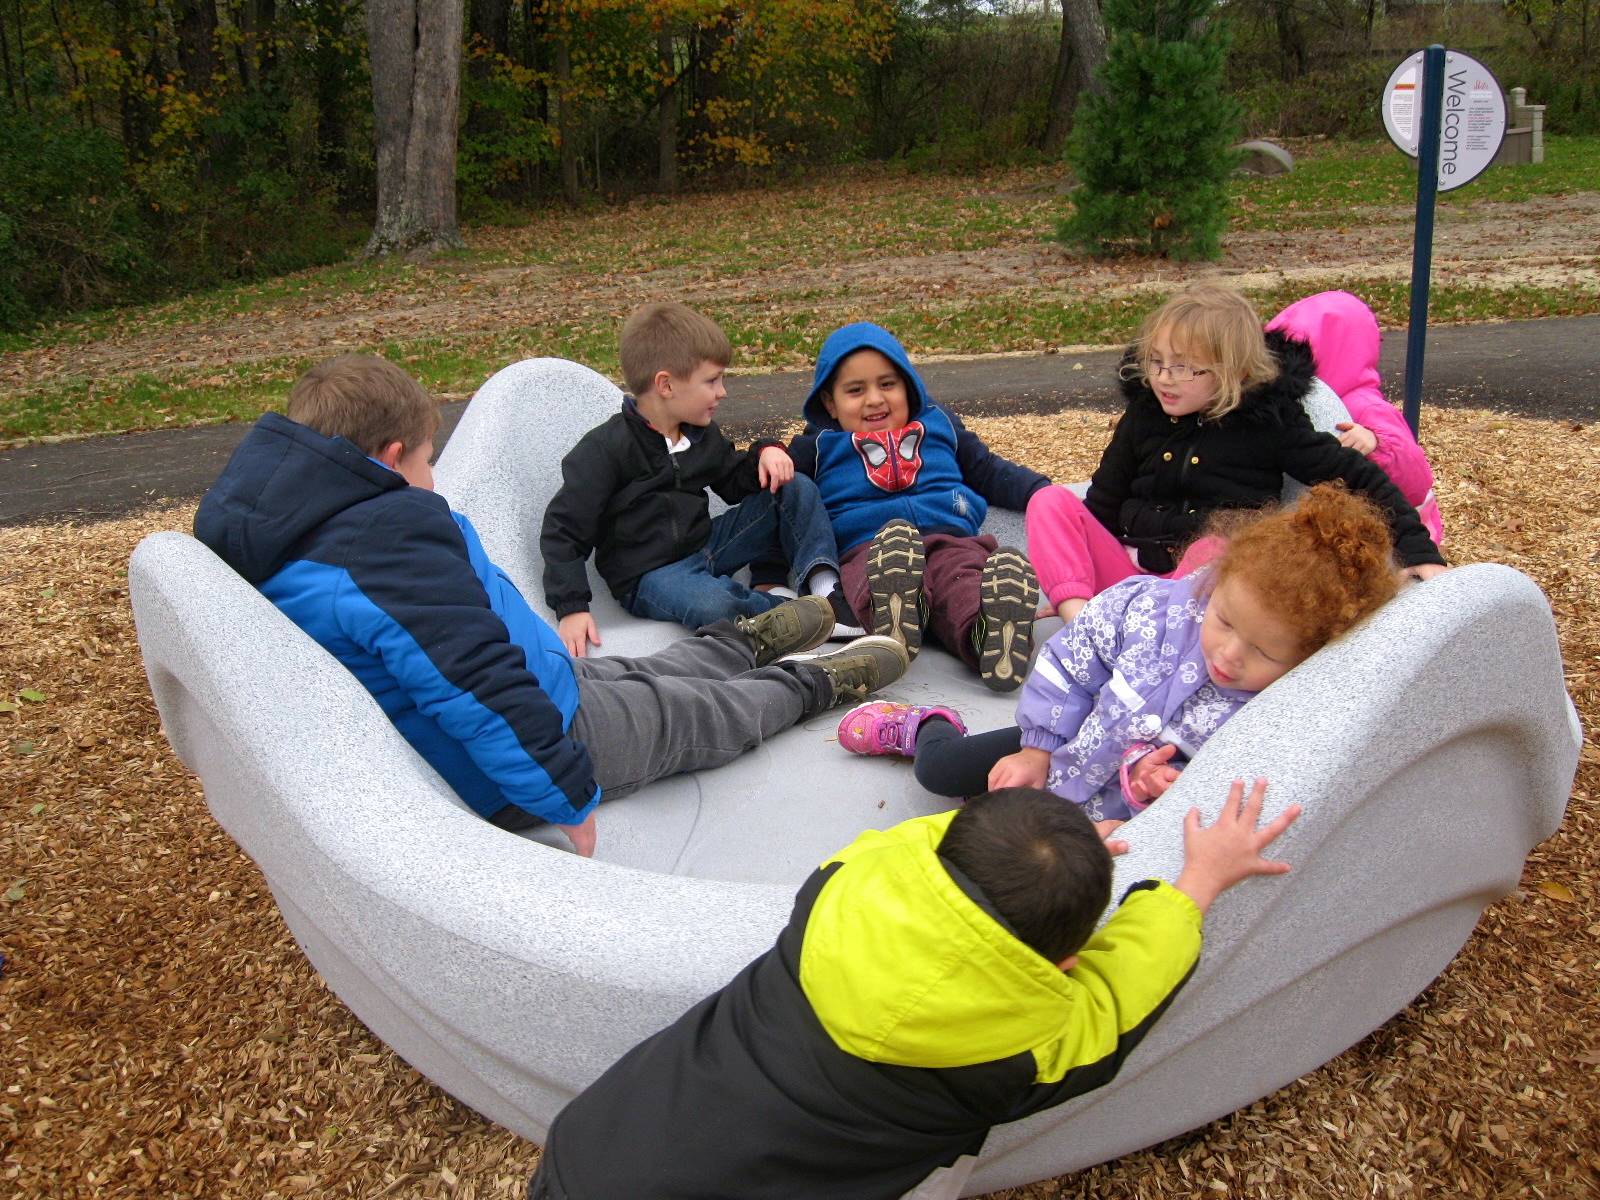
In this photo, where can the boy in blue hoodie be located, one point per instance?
(331, 513)
(907, 486)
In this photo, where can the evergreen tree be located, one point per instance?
(1153, 149)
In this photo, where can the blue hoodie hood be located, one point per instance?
(841, 344)
(283, 481)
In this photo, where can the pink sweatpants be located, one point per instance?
(1076, 557)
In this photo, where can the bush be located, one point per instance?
(1153, 153)
(69, 231)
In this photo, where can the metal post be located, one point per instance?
(1422, 247)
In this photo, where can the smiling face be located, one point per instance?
(868, 394)
(691, 399)
(1246, 646)
(1190, 396)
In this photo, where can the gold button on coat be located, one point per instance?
(1195, 461)
(1167, 457)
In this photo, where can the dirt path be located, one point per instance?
(1551, 241)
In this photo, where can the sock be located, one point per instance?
(842, 612)
(822, 581)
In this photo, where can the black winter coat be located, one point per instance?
(634, 505)
(1161, 476)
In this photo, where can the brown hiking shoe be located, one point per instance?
(861, 667)
(791, 628)
(1008, 596)
(894, 577)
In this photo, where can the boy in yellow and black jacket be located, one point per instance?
(935, 979)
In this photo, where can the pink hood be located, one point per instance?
(1344, 339)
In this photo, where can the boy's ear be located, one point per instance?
(827, 403)
(1067, 963)
(391, 455)
(662, 384)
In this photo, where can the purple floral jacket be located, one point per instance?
(1127, 671)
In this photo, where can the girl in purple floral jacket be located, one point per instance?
(1124, 695)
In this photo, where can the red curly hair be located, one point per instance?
(1321, 565)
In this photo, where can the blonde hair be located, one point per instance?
(365, 399)
(668, 337)
(1218, 324)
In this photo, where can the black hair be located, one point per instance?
(1040, 862)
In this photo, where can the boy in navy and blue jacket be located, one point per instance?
(330, 512)
(907, 487)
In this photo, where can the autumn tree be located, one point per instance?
(415, 49)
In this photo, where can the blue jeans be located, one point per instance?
(698, 590)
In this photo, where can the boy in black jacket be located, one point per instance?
(935, 979)
(633, 491)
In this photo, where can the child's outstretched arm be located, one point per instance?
(1228, 851)
(997, 479)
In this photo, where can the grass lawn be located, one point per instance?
(954, 264)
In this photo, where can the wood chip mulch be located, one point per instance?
(163, 1036)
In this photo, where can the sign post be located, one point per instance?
(1462, 123)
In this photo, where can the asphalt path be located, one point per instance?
(1548, 369)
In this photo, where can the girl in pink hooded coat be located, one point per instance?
(1343, 336)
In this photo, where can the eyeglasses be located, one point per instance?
(1177, 372)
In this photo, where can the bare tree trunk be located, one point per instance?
(416, 90)
(1291, 40)
(196, 22)
(566, 127)
(1082, 53)
(667, 113)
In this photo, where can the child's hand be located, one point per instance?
(1105, 829)
(1026, 768)
(581, 836)
(1151, 775)
(1420, 572)
(774, 468)
(1221, 855)
(578, 632)
(1357, 437)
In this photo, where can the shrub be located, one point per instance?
(69, 230)
(1153, 152)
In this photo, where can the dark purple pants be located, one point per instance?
(952, 570)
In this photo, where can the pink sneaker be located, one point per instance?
(883, 727)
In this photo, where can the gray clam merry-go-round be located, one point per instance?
(511, 972)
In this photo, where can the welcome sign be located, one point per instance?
(1473, 120)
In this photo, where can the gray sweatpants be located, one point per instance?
(699, 703)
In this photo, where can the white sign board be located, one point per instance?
(1473, 119)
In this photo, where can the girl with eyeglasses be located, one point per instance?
(1214, 421)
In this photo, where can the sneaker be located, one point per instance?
(894, 577)
(863, 666)
(790, 628)
(883, 727)
(1008, 596)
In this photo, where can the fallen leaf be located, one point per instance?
(32, 695)
(1557, 891)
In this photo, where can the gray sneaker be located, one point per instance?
(894, 579)
(863, 666)
(791, 628)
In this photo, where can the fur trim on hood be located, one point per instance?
(1267, 403)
